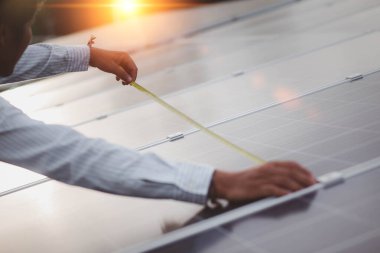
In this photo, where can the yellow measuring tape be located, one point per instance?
(199, 126)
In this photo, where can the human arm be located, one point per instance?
(67, 156)
(42, 60)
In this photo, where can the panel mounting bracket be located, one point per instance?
(355, 77)
(331, 179)
(238, 73)
(176, 136)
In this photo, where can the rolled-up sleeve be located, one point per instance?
(42, 60)
(65, 155)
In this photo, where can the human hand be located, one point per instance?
(114, 62)
(271, 179)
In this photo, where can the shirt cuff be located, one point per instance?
(78, 58)
(194, 180)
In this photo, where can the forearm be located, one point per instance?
(65, 155)
(42, 60)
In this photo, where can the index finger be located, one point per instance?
(294, 165)
(129, 65)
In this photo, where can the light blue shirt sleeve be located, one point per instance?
(42, 60)
(65, 155)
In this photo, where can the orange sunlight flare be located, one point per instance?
(282, 94)
(126, 6)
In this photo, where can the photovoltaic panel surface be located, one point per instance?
(226, 57)
(338, 219)
(259, 67)
(252, 90)
(327, 130)
(330, 130)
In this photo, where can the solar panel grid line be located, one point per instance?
(346, 213)
(292, 229)
(343, 128)
(218, 79)
(294, 155)
(320, 89)
(165, 140)
(336, 19)
(372, 164)
(284, 231)
(249, 112)
(334, 165)
(249, 246)
(180, 114)
(23, 187)
(363, 143)
(359, 220)
(360, 14)
(348, 244)
(236, 249)
(345, 131)
(350, 7)
(288, 152)
(256, 12)
(211, 14)
(240, 18)
(220, 220)
(218, 24)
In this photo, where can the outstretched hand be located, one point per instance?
(271, 179)
(114, 62)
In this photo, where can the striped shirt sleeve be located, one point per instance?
(42, 60)
(65, 155)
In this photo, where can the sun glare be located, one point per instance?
(126, 6)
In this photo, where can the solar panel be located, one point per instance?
(170, 81)
(12, 177)
(212, 68)
(250, 91)
(283, 21)
(334, 220)
(339, 219)
(212, 15)
(290, 101)
(319, 128)
(56, 91)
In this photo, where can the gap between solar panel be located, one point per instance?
(221, 139)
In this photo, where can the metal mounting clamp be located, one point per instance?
(176, 136)
(331, 179)
(355, 77)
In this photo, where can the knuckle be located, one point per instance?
(267, 189)
(292, 163)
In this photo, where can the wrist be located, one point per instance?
(220, 185)
(93, 56)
